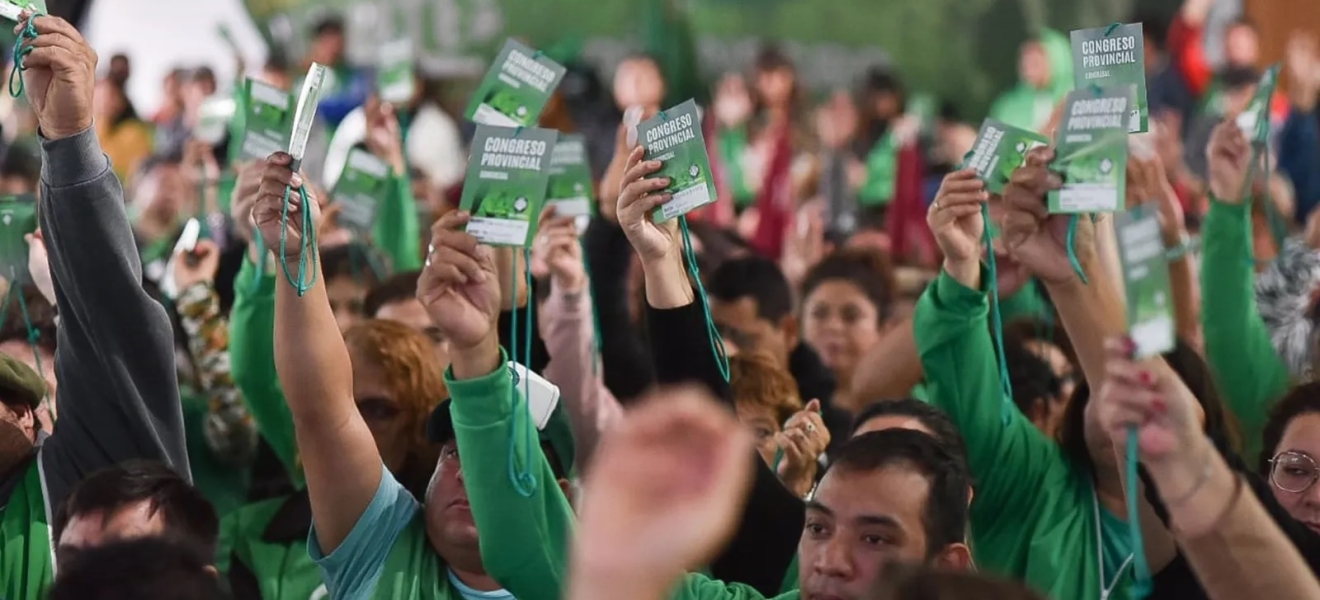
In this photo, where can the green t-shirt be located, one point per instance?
(27, 560)
(263, 550)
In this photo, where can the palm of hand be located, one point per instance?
(1043, 250)
(268, 218)
(963, 241)
(652, 239)
(465, 312)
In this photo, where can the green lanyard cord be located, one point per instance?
(1141, 586)
(595, 316)
(22, 48)
(523, 479)
(307, 259)
(712, 332)
(16, 292)
(1072, 250)
(993, 274)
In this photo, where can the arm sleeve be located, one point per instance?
(566, 325)
(397, 231)
(118, 397)
(1299, 158)
(1187, 45)
(624, 358)
(1237, 345)
(351, 571)
(252, 350)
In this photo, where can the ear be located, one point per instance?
(954, 557)
(566, 486)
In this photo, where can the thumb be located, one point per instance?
(813, 406)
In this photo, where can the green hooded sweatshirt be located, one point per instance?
(1030, 107)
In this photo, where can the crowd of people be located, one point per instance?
(839, 381)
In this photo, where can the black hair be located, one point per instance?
(354, 260)
(397, 288)
(1243, 21)
(771, 58)
(39, 312)
(757, 278)
(1235, 78)
(202, 73)
(277, 60)
(901, 581)
(930, 416)
(868, 270)
(1154, 25)
(1301, 400)
(945, 515)
(1034, 381)
(328, 25)
(717, 245)
(188, 515)
(22, 161)
(156, 568)
(167, 158)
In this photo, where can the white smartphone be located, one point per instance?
(192, 231)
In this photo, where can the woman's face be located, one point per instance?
(775, 86)
(1052, 419)
(841, 324)
(761, 421)
(1293, 472)
(888, 106)
(637, 82)
(381, 410)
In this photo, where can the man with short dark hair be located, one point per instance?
(134, 499)
(150, 567)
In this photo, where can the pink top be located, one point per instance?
(567, 328)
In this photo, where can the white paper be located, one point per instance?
(304, 113)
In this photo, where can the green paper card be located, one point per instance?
(214, 117)
(360, 189)
(999, 150)
(394, 73)
(268, 120)
(570, 188)
(1091, 150)
(11, 9)
(516, 89)
(506, 183)
(1112, 57)
(674, 138)
(1146, 277)
(18, 217)
(1255, 120)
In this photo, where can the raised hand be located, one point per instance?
(1147, 395)
(1148, 182)
(458, 287)
(955, 219)
(1034, 238)
(59, 76)
(268, 205)
(1229, 156)
(246, 184)
(384, 138)
(664, 497)
(557, 254)
(639, 197)
(198, 266)
(803, 440)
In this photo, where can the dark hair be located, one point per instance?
(911, 582)
(277, 60)
(188, 515)
(1154, 26)
(202, 73)
(328, 25)
(717, 245)
(945, 516)
(1301, 400)
(1033, 379)
(154, 568)
(397, 288)
(930, 416)
(39, 312)
(128, 112)
(354, 260)
(1039, 329)
(1235, 78)
(23, 161)
(1243, 21)
(757, 278)
(869, 270)
(771, 58)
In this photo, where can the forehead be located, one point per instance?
(897, 491)
(884, 422)
(739, 312)
(133, 521)
(1302, 434)
(837, 290)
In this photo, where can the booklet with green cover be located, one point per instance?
(674, 138)
(516, 89)
(1255, 120)
(999, 150)
(394, 72)
(268, 121)
(11, 9)
(1091, 149)
(360, 189)
(18, 217)
(1113, 56)
(570, 190)
(1146, 278)
(506, 183)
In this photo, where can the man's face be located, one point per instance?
(1241, 46)
(857, 522)
(328, 48)
(449, 523)
(738, 320)
(345, 300)
(90, 530)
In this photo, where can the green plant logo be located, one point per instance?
(520, 205)
(1106, 166)
(694, 171)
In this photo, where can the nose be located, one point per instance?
(834, 560)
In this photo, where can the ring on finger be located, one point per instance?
(811, 428)
(936, 204)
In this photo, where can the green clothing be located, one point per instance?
(1035, 516)
(27, 562)
(397, 230)
(224, 485)
(264, 546)
(881, 172)
(1029, 107)
(1248, 371)
(732, 145)
(1028, 302)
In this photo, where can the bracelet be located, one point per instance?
(1186, 245)
(1206, 471)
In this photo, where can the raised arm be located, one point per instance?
(118, 397)
(339, 456)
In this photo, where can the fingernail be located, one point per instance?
(296, 180)
(1147, 378)
(664, 181)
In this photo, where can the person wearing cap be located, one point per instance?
(118, 394)
(371, 537)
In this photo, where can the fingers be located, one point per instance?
(638, 168)
(46, 24)
(205, 248)
(813, 406)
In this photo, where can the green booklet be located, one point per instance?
(674, 138)
(268, 120)
(999, 150)
(1255, 120)
(516, 89)
(1109, 57)
(213, 118)
(1091, 150)
(394, 72)
(570, 189)
(11, 9)
(1146, 277)
(18, 217)
(506, 182)
(360, 189)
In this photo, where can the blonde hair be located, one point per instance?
(758, 379)
(412, 371)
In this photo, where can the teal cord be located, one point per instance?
(524, 479)
(712, 332)
(33, 337)
(22, 48)
(1141, 586)
(1072, 250)
(1006, 403)
(307, 259)
(595, 316)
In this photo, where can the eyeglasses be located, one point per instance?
(1293, 472)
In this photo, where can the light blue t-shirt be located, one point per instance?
(471, 594)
